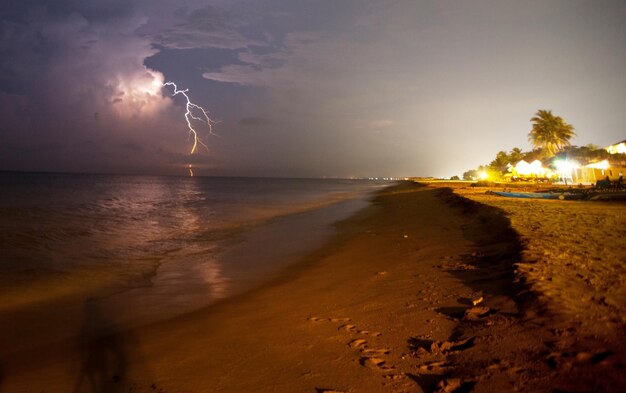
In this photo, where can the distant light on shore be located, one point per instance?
(536, 168)
(599, 165)
(565, 167)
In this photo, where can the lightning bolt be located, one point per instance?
(200, 115)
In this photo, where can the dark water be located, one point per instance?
(157, 245)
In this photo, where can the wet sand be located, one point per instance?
(418, 292)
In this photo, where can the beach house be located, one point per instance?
(612, 168)
(578, 169)
(618, 148)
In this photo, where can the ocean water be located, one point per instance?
(155, 246)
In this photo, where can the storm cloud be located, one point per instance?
(345, 88)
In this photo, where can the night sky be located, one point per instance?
(302, 88)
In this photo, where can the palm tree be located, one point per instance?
(550, 132)
(516, 155)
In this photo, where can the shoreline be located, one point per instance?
(385, 305)
(191, 280)
(240, 264)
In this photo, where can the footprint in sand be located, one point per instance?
(357, 343)
(394, 376)
(368, 333)
(435, 366)
(352, 328)
(371, 351)
(315, 319)
(372, 363)
(339, 319)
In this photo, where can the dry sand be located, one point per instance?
(569, 281)
(417, 291)
(574, 256)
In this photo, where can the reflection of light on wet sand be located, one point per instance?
(212, 275)
(210, 271)
(187, 278)
(187, 281)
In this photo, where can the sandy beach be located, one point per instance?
(235, 196)
(568, 279)
(428, 289)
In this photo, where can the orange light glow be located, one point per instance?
(534, 169)
(599, 165)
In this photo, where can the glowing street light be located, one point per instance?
(565, 168)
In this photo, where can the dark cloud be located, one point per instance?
(205, 27)
(63, 64)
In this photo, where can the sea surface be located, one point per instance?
(148, 248)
